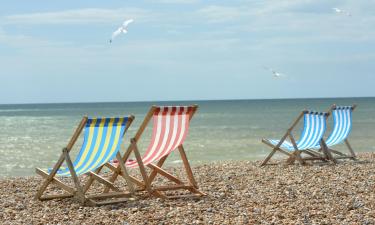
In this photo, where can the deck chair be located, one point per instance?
(102, 140)
(314, 126)
(342, 125)
(170, 127)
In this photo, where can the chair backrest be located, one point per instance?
(170, 127)
(315, 124)
(102, 140)
(342, 124)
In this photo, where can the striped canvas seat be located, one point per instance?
(314, 127)
(102, 139)
(313, 130)
(342, 125)
(170, 127)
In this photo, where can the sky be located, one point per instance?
(59, 51)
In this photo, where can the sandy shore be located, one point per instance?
(238, 193)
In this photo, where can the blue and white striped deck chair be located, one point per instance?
(342, 126)
(101, 143)
(314, 126)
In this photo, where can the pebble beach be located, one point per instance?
(238, 192)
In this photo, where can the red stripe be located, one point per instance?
(153, 138)
(170, 135)
(158, 152)
(179, 130)
(148, 157)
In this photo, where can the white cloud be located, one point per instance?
(217, 14)
(176, 1)
(79, 16)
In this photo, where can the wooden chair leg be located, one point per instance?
(327, 151)
(125, 173)
(79, 190)
(141, 166)
(350, 149)
(299, 158)
(117, 171)
(290, 160)
(50, 176)
(187, 166)
(269, 157)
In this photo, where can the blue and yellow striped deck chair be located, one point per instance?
(101, 144)
(314, 127)
(342, 126)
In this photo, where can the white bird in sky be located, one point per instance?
(274, 72)
(122, 29)
(341, 11)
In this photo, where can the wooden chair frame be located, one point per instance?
(146, 182)
(80, 191)
(337, 154)
(296, 154)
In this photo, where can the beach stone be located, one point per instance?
(238, 192)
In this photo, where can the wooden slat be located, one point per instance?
(110, 195)
(102, 180)
(56, 196)
(172, 187)
(159, 165)
(55, 181)
(111, 167)
(137, 182)
(110, 202)
(88, 184)
(165, 173)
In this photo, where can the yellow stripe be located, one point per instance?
(96, 146)
(89, 143)
(117, 137)
(106, 143)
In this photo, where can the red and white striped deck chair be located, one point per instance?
(170, 128)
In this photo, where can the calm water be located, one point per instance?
(33, 135)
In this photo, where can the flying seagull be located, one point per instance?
(337, 10)
(122, 29)
(274, 72)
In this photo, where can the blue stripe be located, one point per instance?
(85, 138)
(305, 132)
(66, 172)
(84, 167)
(107, 155)
(112, 137)
(313, 131)
(92, 147)
(342, 120)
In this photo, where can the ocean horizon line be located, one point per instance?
(196, 100)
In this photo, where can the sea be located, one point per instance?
(33, 135)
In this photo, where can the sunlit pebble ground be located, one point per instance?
(237, 193)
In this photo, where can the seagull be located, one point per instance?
(121, 29)
(337, 10)
(274, 72)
